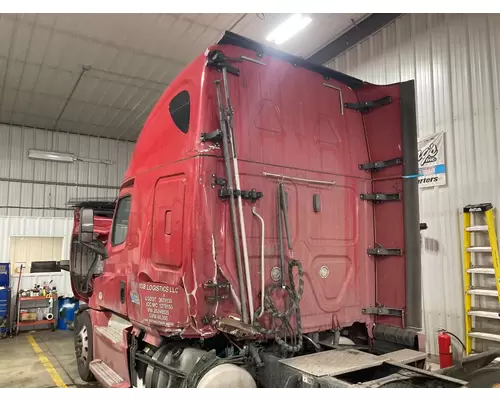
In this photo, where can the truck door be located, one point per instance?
(111, 287)
(82, 261)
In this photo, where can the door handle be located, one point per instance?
(122, 292)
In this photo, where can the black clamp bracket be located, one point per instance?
(216, 181)
(221, 291)
(382, 251)
(380, 197)
(367, 106)
(214, 137)
(224, 192)
(375, 166)
(252, 195)
(218, 60)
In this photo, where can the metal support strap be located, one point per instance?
(367, 106)
(393, 312)
(292, 178)
(376, 165)
(381, 251)
(378, 197)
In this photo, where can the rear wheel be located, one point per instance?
(84, 345)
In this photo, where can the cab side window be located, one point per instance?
(180, 110)
(120, 223)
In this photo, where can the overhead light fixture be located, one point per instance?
(288, 28)
(51, 156)
(62, 157)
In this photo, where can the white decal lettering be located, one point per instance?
(160, 288)
(157, 307)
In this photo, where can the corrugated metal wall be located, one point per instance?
(455, 61)
(42, 188)
(34, 193)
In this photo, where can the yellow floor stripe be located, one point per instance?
(46, 363)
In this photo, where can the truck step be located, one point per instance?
(113, 332)
(110, 333)
(485, 336)
(483, 291)
(106, 375)
(484, 313)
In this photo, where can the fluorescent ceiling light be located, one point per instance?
(51, 156)
(62, 157)
(288, 28)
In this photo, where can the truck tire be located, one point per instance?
(84, 347)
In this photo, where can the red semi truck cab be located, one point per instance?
(269, 213)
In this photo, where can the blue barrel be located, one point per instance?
(67, 307)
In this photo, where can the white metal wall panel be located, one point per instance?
(455, 62)
(28, 249)
(42, 188)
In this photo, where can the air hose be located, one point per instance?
(294, 295)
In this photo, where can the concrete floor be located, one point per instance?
(20, 366)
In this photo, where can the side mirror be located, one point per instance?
(86, 228)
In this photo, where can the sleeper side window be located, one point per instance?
(180, 110)
(120, 223)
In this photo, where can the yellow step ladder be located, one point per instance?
(471, 269)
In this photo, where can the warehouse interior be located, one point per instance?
(80, 87)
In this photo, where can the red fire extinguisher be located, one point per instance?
(445, 353)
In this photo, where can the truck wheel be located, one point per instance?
(84, 345)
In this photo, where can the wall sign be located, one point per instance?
(431, 162)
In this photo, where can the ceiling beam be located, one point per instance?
(356, 34)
